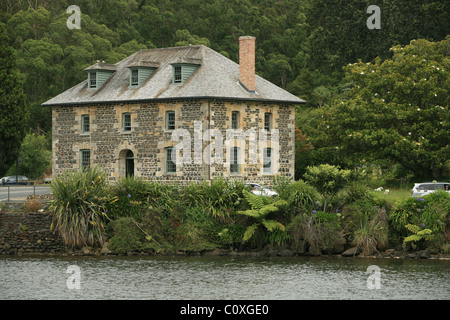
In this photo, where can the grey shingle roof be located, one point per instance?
(216, 78)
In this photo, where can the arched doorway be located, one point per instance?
(129, 164)
(126, 163)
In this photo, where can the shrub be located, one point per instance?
(302, 196)
(430, 212)
(132, 195)
(222, 196)
(320, 230)
(79, 207)
(370, 232)
(127, 236)
(33, 205)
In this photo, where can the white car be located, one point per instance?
(425, 188)
(259, 190)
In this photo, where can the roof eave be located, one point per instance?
(208, 98)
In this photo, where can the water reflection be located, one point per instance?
(222, 278)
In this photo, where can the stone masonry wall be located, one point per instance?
(28, 233)
(148, 138)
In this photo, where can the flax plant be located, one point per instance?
(79, 207)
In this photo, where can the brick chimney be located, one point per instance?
(247, 62)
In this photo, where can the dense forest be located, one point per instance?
(302, 46)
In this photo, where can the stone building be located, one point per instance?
(132, 117)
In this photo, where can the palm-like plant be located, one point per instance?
(261, 207)
(79, 207)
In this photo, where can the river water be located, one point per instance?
(224, 278)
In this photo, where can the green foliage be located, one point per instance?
(370, 232)
(418, 235)
(430, 211)
(36, 157)
(261, 208)
(127, 236)
(79, 207)
(132, 197)
(327, 179)
(13, 110)
(397, 110)
(320, 231)
(218, 198)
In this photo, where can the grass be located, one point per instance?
(394, 195)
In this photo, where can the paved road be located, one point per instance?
(21, 192)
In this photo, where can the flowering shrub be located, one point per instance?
(428, 213)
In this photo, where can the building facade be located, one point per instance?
(182, 114)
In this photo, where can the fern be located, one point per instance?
(418, 235)
(272, 225)
(261, 208)
(250, 231)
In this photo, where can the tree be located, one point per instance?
(13, 106)
(397, 110)
(327, 179)
(36, 157)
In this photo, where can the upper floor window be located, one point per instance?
(182, 72)
(177, 74)
(85, 123)
(93, 79)
(170, 120)
(134, 77)
(139, 74)
(99, 73)
(126, 121)
(267, 121)
(235, 120)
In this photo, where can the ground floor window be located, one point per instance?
(85, 159)
(234, 160)
(171, 166)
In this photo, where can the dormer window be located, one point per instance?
(182, 72)
(140, 71)
(98, 74)
(138, 75)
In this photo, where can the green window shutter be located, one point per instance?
(102, 76)
(144, 73)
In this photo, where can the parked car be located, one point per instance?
(12, 180)
(259, 190)
(425, 188)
